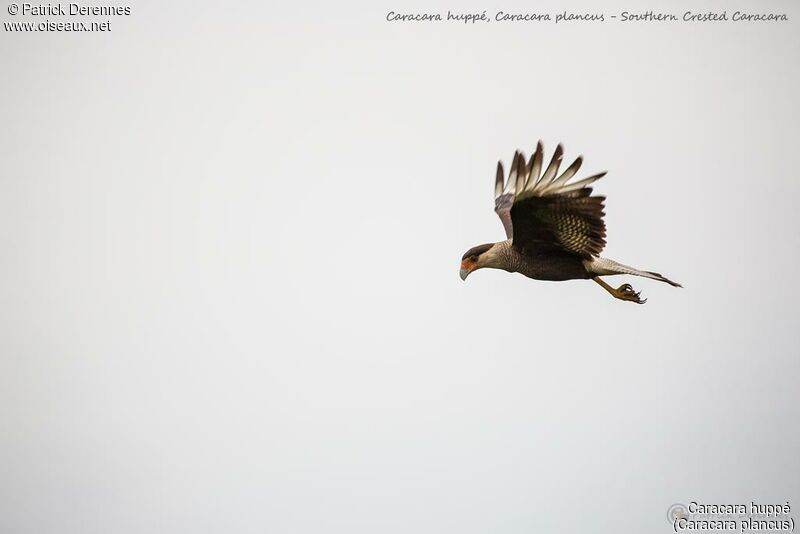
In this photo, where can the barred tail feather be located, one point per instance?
(605, 266)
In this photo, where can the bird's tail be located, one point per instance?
(605, 266)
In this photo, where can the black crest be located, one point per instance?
(474, 252)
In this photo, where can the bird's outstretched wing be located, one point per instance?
(504, 197)
(542, 211)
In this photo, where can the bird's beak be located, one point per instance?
(467, 267)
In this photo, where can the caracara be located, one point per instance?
(554, 227)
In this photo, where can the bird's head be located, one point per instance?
(477, 258)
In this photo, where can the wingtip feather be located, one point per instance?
(498, 180)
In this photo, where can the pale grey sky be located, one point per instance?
(230, 298)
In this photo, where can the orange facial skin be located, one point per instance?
(468, 265)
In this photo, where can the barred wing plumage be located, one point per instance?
(541, 211)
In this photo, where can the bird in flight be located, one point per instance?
(554, 227)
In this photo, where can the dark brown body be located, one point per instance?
(543, 264)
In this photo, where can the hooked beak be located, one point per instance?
(467, 267)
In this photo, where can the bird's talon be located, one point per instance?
(626, 292)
